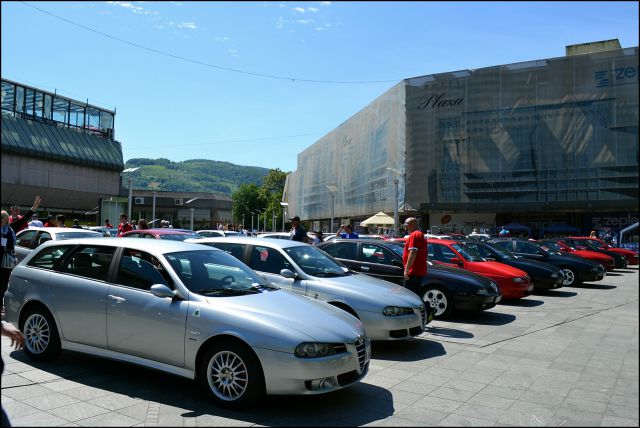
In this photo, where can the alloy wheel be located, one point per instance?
(227, 375)
(569, 276)
(437, 300)
(37, 333)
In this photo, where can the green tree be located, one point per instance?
(247, 199)
(271, 192)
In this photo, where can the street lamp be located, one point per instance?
(395, 200)
(333, 190)
(192, 210)
(128, 170)
(283, 205)
(265, 220)
(252, 213)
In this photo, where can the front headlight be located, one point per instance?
(483, 292)
(597, 268)
(554, 275)
(396, 311)
(316, 350)
(518, 280)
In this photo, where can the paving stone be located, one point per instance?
(456, 420)
(455, 394)
(570, 417)
(112, 419)
(622, 411)
(50, 401)
(613, 421)
(78, 411)
(487, 400)
(39, 419)
(114, 401)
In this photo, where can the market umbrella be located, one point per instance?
(379, 219)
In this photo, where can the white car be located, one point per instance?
(214, 233)
(388, 311)
(29, 239)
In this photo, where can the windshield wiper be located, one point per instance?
(228, 291)
(330, 274)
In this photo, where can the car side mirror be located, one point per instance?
(162, 291)
(287, 273)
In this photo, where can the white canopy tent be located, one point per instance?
(380, 219)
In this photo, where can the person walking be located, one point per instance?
(414, 256)
(8, 250)
(592, 234)
(22, 221)
(346, 232)
(317, 238)
(17, 341)
(60, 219)
(35, 222)
(76, 224)
(504, 233)
(298, 233)
(142, 224)
(108, 224)
(15, 216)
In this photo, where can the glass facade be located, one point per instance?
(554, 134)
(34, 104)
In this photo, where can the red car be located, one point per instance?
(606, 261)
(164, 233)
(513, 282)
(631, 256)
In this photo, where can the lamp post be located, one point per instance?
(265, 220)
(129, 170)
(252, 213)
(395, 201)
(333, 190)
(191, 209)
(153, 212)
(273, 220)
(283, 205)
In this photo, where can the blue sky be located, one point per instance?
(180, 109)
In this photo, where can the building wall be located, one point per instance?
(354, 157)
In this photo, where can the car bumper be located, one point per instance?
(287, 374)
(548, 283)
(380, 327)
(475, 303)
(512, 290)
(591, 276)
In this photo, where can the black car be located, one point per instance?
(620, 261)
(575, 269)
(445, 289)
(545, 276)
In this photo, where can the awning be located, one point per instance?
(560, 228)
(380, 219)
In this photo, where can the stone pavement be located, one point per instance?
(563, 358)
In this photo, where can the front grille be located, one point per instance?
(361, 348)
(397, 334)
(415, 331)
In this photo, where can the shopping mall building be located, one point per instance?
(541, 142)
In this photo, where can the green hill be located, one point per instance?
(196, 175)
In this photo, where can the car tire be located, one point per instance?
(41, 339)
(231, 375)
(570, 277)
(439, 300)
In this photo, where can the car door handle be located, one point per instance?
(364, 267)
(117, 299)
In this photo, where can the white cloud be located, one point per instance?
(190, 25)
(313, 9)
(232, 51)
(325, 3)
(223, 38)
(304, 21)
(298, 9)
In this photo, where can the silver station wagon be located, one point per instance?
(388, 311)
(186, 309)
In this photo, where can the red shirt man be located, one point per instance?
(15, 215)
(414, 256)
(124, 225)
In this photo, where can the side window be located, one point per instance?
(90, 262)
(431, 251)
(44, 237)
(375, 254)
(270, 260)
(526, 248)
(49, 258)
(480, 249)
(505, 245)
(24, 240)
(141, 270)
(342, 250)
(236, 250)
(441, 253)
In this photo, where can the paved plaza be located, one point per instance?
(561, 358)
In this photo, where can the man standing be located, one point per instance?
(124, 225)
(35, 222)
(348, 232)
(298, 233)
(414, 256)
(504, 233)
(15, 216)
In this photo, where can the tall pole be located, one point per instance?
(153, 213)
(283, 218)
(395, 207)
(265, 220)
(252, 223)
(192, 210)
(333, 207)
(130, 198)
(273, 220)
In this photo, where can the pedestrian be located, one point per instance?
(504, 232)
(414, 256)
(17, 341)
(346, 232)
(50, 221)
(107, 223)
(134, 225)
(592, 234)
(60, 219)
(76, 224)
(35, 222)
(8, 253)
(317, 238)
(124, 225)
(298, 233)
(18, 223)
(15, 216)
(142, 224)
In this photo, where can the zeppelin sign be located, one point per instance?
(438, 101)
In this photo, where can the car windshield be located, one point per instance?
(502, 255)
(216, 273)
(397, 247)
(316, 262)
(468, 253)
(590, 244)
(179, 236)
(551, 246)
(74, 235)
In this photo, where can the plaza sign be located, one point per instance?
(438, 101)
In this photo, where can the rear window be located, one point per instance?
(49, 257)
(74, 235)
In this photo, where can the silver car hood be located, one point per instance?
(384, 293)
(292, 315)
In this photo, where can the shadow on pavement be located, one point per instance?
(451, 333)
(522, 303)
(614, 274)
(597, 286)
(348, 406)
(556, 293)
(482, 318)
(407, 350)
